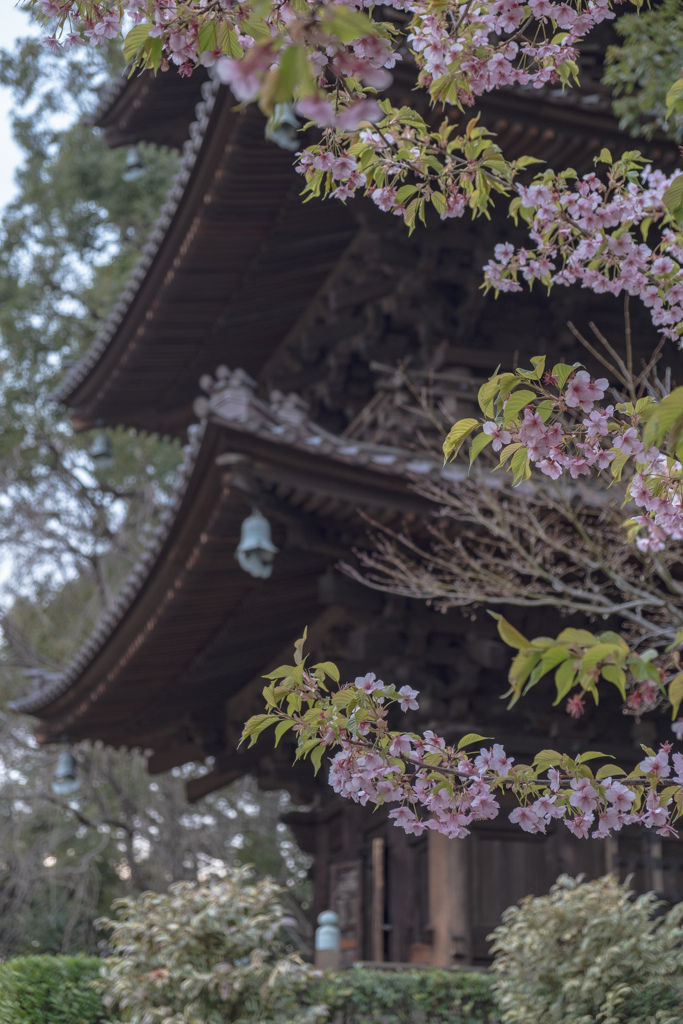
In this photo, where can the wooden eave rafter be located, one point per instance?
(191, 629)
(148, 107)
(233, 261)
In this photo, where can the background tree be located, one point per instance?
(640, 71)
(69, 532)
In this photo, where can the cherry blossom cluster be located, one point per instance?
(447, 788)
(462, 49)
(552, 421)
(456, 172)
(450, 795)
(583, 232)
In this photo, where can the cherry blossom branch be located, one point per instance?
(447, 788)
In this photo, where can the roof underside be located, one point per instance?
(235, 260)
(191, 629)
(237, 257)
(149, 108)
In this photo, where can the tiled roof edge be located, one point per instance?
(57, 685)
(152, 246)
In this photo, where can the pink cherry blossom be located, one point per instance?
(527, 819)
(584, 796)
(407, 698)
(657, 765)
(499, 434)
(368, 683)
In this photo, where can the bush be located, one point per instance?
(204, 954)
(590, 954)
(431, 996)
(50, 990)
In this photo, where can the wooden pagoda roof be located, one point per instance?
(236, 257)
(152, 108)
(232, 262)
(191, 630)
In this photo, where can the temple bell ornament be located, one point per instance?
(66, 780)
(256, 551)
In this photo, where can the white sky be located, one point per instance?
(14, 23)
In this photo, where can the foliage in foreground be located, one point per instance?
(590, 953)
(203, 954)
(50, 990)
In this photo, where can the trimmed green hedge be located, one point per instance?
(430, 996)
(50, 990)
(56, 990)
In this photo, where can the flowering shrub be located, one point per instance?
(203, 954)
(587, 953)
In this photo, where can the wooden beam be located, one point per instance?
(173, 757)
(449, 884)
(377, 922)
(197, 788)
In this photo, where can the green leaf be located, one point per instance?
(564, 680)
(664, 417)
(470, 739)
(522, 665)
(269, 696)
(519, 464)
(329, 668)
(590, 755)
(676, 693)
(582, 637)
(608, 770)
(345, 24)
(554, 656)
(207, 38)
(256, 725)
(478, 444)
(281, 729)
(597, 654)
(538, 363)
(257, 28)
(228, 42)
(605, 157)
(135, 40)
(299, 650)
(617, 465)
(508, 634)
(546, 759)
(281, 672)
(292, 74)
(527, 161)
(516, 402)
(676, 642)
(616, 675)
(674, 99)
(316, 757)
(563, 371)
(487, 393)
(405, 192)
(457, 435)
(438, 201)
(507, 451)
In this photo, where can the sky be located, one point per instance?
(14, 23)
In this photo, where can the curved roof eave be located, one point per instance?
(178, 199)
